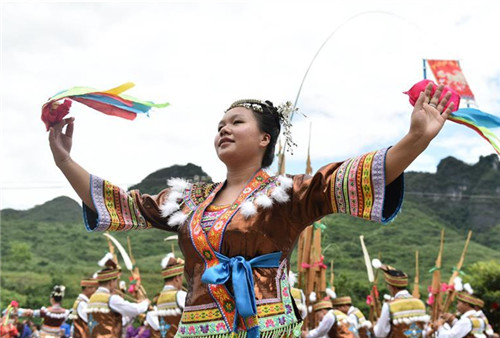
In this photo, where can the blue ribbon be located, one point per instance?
(240, 271)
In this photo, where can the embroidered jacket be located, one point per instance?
(402, 317)
(80, 328)
(164, 320)
(254, 237)
(361, 325)
(53, 318)
(103, 322)
(342, 326)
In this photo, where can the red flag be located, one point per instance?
(448, 72)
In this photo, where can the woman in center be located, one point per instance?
(237, 236)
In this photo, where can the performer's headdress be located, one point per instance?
(321, 305)
(392, 276)
(282, 115)
(346, 300)
(171, 266)
(469, 299)
(58, 291)
(89, 282)
(111, 269)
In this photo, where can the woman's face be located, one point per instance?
(239, 139)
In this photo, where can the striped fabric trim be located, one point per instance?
(116, 209)
(341, 301)
(172, 271)
(358, 186)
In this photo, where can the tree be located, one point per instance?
(19, 252)
(484, 277)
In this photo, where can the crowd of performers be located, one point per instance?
(104, 309)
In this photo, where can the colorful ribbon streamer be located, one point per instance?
(110, 102)
(480, 122)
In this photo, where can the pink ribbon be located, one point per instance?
(447, 287)
(430, 300)
(369, 300)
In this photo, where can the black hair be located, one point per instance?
(269, 123)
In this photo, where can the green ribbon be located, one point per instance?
(460, 272)
(434, 269)
(318, 225)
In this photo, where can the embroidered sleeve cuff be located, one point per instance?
(358, 189)
(116, 209)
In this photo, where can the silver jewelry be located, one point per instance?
(433, 105)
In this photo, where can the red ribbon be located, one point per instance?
(369, 300)
(447, 287)
(317, 264)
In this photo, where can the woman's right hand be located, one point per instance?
(61, 142)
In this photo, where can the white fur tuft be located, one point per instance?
(387, 297)
(279, 195)
(177, 219)
(310, 309)
(292, 278)
(178, 184)
(376, 263)
(457, 284)
(165, 260)
(123, 285)
(247, 209)
(285, 182)
(331, 293)
(168, 208)
(263, 201)
(106, 258)
(312, 297)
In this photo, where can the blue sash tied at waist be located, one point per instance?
(240, 271)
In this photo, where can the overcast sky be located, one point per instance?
(201, 56)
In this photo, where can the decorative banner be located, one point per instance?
(448, 72)
(110, 102)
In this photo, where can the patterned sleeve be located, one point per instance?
(354, 187)
(119, 210)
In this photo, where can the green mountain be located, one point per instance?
(48, 243)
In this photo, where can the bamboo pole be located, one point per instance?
(416, 287)
(436, 281)
(450, 294)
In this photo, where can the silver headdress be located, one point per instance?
(284, 114)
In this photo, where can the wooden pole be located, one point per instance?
(436, 282)
(450, 294)
(416, 287)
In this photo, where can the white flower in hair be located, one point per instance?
(331, 293)
(468, 288)
(457, 284)
(106, 258)
(164, 261)
(376, 263)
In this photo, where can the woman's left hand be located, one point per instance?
(430, 113)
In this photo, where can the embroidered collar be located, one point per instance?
(468, 314)
(402, 294)
(103, 289)
(168, 287)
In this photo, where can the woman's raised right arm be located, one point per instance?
(60, 145)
